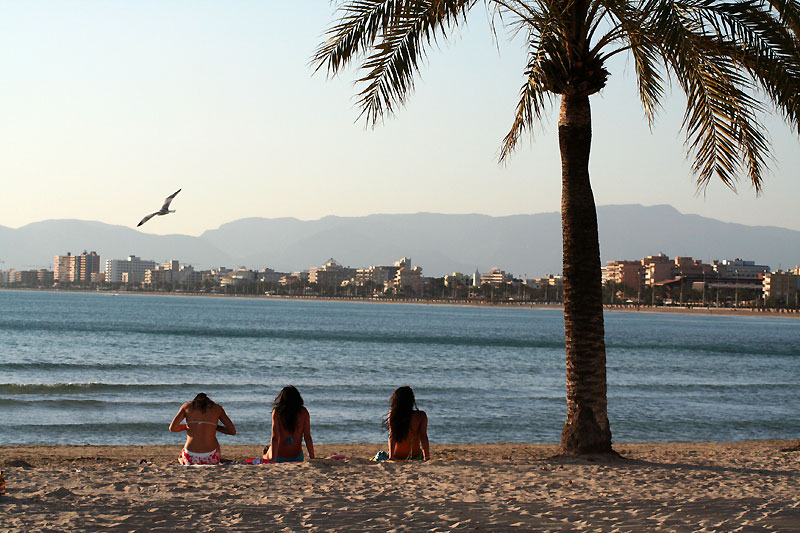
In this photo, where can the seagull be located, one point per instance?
(165, 210)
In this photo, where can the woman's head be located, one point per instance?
(287, 405)
(401, 406)
(202, 402)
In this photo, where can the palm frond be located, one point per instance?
(789, 14)
(392, 34)
(763, 46)
(533, 96)
(629, 21)
(723, 131)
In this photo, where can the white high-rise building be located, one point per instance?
(133, 266)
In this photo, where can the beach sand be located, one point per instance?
(748, 486)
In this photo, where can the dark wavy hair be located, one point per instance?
(287, 405)
(202, 402)
(401, 407)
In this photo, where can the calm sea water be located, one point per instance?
(113, 369)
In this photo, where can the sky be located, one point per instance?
(106, 107)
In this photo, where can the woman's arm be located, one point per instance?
(174, 426)
(228, 428)
(275, 439)
(307, 434)
(423, 436)
(392, 441)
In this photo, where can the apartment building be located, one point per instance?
(331, 274)
(409, 279)
(381, 274)
(130, 270)
(495, 276)
(628, 273)
(781, 285)
(739, 269)
(457, 279)
(657, 268)
(241, 276)
(73, 268)
(64, 267)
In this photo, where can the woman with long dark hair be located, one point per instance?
(408, 427)
(203, 418)
(291, 424)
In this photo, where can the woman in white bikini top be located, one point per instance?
(203, 418)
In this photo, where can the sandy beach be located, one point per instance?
(674, 487)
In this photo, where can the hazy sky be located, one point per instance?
(106, 107)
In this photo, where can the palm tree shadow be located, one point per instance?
(620, 462)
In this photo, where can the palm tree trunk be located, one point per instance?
(586, 429)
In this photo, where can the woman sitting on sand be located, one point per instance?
(408, 427)
(291, 424)
(202, 423)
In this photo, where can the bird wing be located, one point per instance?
(145, 219)
(169, 200)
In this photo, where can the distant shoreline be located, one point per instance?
(624, 308)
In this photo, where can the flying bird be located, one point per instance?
(165, 210)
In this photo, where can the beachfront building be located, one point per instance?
(686, 267)
(72, 268)
(172, 272)
(457, 279)
(215, 274)
(782, 286)
(238, 277)
(495, 276)
(627, 273)
(44, 276)
(3, 277)
(737, 269)
(64, 267)
(23, 277)
(657, 268)
(407, 279)
(290, 280)
(268, 275)
(331, 274)
(553, 286)
(88, 263)
(130, 270)
(381, 274)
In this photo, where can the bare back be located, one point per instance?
(289, 444)
(415, 444)
(201, 427)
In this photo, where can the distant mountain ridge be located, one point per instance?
(439, 243)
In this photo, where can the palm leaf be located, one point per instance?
(395, 34)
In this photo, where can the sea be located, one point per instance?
(108, 368)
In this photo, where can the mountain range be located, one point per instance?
(439, 243)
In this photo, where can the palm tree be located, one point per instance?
(726, 56)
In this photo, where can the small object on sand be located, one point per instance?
(2, 484)
(165, 210)
(338, 457)
(380, 456)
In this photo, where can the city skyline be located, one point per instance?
(220, 101)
